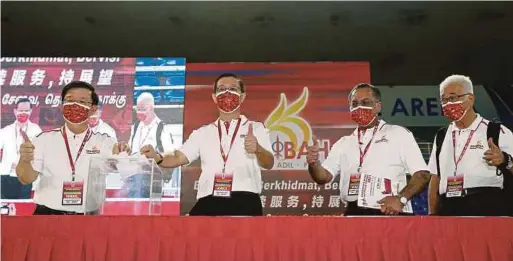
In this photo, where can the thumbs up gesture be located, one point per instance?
(26, 148)
(250, 141)
(494, 155)
(312, 152)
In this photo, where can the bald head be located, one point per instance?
(146, 98)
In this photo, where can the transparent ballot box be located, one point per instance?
(124, 186)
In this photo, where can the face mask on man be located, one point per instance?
(363, 115)
(22, 117)
(75, 113)
(454, 111)
(228, 101)
(93, 121)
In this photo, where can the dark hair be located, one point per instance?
(375, 91)
(22, 100)
(83, 85)
(226, 75)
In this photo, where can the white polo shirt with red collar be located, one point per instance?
(474, 169)
(392, 153)
(204, 143)
(51, 161)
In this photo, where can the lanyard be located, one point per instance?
(223, 155)
(84, 141)
(141, 141)
(16, 131)
(364, 152)
(457, 162)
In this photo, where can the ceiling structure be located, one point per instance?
(405, 42)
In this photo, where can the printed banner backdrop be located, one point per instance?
(41, 79)
(295, 101)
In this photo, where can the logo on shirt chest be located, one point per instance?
(383, 139)
(94, 150)
(478, 146)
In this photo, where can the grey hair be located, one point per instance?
(460, 80)
(146, 96)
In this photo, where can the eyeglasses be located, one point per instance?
(453, 98)
(85, 103)
(232, 88)
(364, 102)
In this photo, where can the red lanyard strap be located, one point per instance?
(457, 162)
(225, 156)
(364, 152)
(84, 141)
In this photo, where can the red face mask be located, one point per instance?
(363, 116)
(93, 121)
(454, 111)
(228, 101)
(22, 117)
(75, 113)
(141, 116)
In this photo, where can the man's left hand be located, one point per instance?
(120, 147)
(494, 155)
(391, 205)
(250, 142)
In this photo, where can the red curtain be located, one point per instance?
(147, 238)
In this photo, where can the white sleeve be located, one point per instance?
(263, 137)
(506, 140)
(39, 152)
(191, 147)
(410, 153)
(332, 162)
(112, 134)
(432, 160)
(38, 130)
(107, 143)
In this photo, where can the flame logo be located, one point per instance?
(285, 115)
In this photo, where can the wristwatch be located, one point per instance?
(509, 160)
(161, 159)
(403, 200)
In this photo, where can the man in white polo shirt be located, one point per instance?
(60, 157)
(375, 148)
(466, 180)
(10, 141)
(232, 151)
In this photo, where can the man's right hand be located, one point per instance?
(26, 149)
(312, 156)
(149, 152)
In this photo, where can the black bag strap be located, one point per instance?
(493, 131)
(160, 127)
(439, 141)
(136, 125)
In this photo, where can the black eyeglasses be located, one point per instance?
(453, 98)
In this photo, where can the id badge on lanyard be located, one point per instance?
(73, 191)
(455, 183)
(223, 181)
(354, 179)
